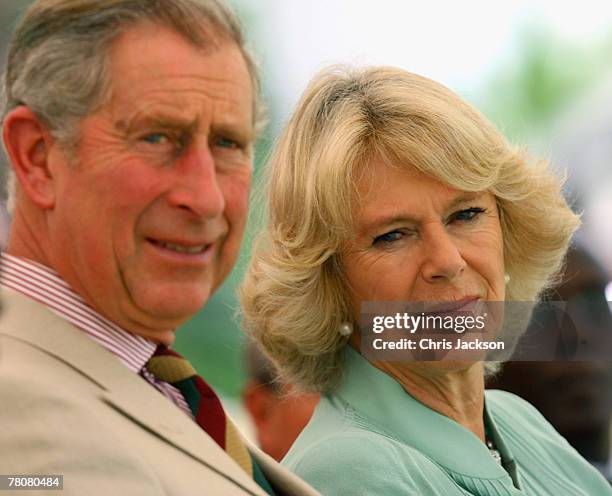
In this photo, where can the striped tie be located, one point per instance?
(168, 366)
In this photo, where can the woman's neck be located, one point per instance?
(455, 392)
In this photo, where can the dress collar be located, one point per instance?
(382, 400)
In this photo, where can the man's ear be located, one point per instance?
(27, 143)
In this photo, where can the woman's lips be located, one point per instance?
(464, 304)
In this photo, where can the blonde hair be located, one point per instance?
(294, 297)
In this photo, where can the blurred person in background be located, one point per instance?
(385, 186)
(5, 225)
(129, 126)
(7, 18)
(575, 397)
(279, 412)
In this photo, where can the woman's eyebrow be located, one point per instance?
(465, 197)
(385, 220)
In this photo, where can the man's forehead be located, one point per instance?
(155, 46)
(155, 69)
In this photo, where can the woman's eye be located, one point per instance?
(388, 238)
(468, 214)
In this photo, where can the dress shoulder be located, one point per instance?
(359, 462)
(537, 446)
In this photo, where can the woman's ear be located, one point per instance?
(27, 143)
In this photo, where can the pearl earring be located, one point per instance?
(507, 278)
(346, 329)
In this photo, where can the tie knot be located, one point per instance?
(168, 366)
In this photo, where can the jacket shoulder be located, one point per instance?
(47, 430)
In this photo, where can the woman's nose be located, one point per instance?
(443, 260)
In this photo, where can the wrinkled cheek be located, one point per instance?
(236, 213)
(123, 259)
(237, 205)
(238, 192)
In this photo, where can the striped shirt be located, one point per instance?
(46, 287)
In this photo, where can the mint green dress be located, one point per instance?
(372, 438)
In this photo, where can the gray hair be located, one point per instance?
(58, 56)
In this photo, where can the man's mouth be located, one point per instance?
(181, 248)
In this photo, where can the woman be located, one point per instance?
(386, 186)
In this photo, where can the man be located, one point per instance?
(129, 125)
(279, 413)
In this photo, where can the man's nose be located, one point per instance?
(197, 187)
(443, 260)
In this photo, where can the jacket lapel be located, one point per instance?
(283, 481)
(24, 319)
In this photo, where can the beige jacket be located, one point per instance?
(67, 406)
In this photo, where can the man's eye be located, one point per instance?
(226, 143)
(156, 138)
(468, 214)
(388, 238)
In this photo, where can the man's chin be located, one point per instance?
(165, 314)
(165, 337)
(162, 315)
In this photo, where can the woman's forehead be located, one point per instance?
(392, 194)
(379, 175)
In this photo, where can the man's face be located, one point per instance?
(148, 222)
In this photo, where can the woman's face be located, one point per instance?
(417, 239)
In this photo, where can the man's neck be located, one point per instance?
(23, 240)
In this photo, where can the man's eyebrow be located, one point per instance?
(164, 120)
(157, 119)
(385, 220)
(235, 131)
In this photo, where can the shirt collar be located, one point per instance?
(44, 285)
(385, 403)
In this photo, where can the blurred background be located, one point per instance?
(540, 70)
